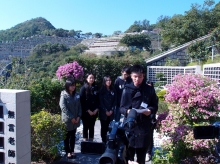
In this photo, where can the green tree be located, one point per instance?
(79, 48)
(162, 21)
(161, 80)
(198, 51)
(72, 33)
(61, 32)
(145, 24)
(117, 32)
(78, 33)
(97, 35)
(138, 40)
(138, 26)
(45, 94)
(134, 28)
(196, 22)
(88, 35)
(48, 48)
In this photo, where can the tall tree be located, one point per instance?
(78, 33)
(97, 35)
(196, 22)
(145, 24)
(199, 51)
(88, 35)
(72, 33)
(138, 40)
(162, 21)
(117, 32)
(134, 28)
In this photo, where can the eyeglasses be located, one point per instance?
(108, 80)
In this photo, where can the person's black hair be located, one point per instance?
(86, 84)
(137, 69)
(70, 82)
(126, 69)
(103, 88)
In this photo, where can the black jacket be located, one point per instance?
(107, 101)
(119, 86)
(89, 101)
(132, 97)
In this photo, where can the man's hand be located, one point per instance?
(147, 113)
(95, 111)
(110, 112)
(90, 113)
(77, 120)
(73, 120)
(128, 111)
(107, 113)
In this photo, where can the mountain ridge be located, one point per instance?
(27, 28)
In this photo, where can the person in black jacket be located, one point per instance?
(107, 98)
(138, 95)
(153, 125)
(119, 84)
(90, 103)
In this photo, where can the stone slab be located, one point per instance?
(14, 96)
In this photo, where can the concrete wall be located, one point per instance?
(15, 131)
(22, 47)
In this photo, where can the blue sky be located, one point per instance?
(104, 16)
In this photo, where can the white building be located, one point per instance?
(212, 71)
(170, 71)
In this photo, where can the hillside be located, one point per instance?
(26, 29)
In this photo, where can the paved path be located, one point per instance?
(87, 158)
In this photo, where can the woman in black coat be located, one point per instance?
(90, 103)
(107, 98)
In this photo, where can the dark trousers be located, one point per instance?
(117, 114)
(69, 142)
(140, 152)
(151, 143)
(104, 128)
(88, 127)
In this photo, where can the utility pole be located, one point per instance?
(212, 51)
(158, 39)
(213, 46)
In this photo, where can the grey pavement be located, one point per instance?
(87, 158)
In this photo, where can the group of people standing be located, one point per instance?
(110, 101)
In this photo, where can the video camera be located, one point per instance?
(209, 132)
(117, 140)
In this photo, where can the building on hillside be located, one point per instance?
(105, 46)
(170, 71)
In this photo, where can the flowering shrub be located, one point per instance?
(160, 118)
(47, 132)
(193, 100)
(70, 70)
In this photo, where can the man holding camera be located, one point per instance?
(141, 97)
